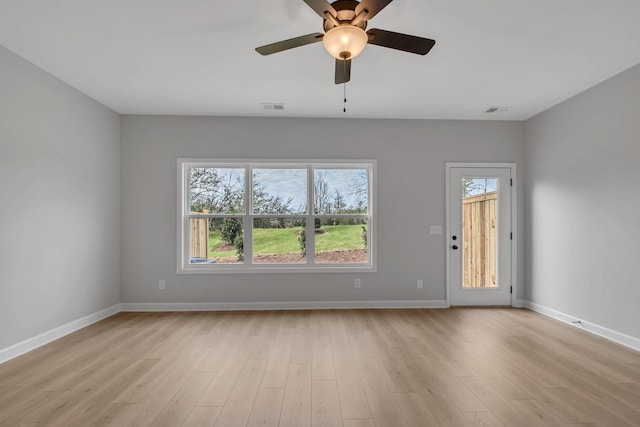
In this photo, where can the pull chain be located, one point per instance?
(344, 103)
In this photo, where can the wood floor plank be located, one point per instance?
(482, 419)
(453, 367)
(483, 362)
(91, 393)
(13, 413)
(218, 352)
(95, 399)
(538, 413)
(414, 411)
(222, 384)
(380, 397)
(279, 360)
(153, 402)
(439, 403)
(359, 422)
(336, 323)
(237, 408)
(358, 331)
(630, 391)
(385, 329)
(116, 414)
(503, 408)
(301, 346)
(325, 404)
(181, 404)
(322, 367)
(215, 357)
(262, 348)
(203, 416)
(267, 407)
(296, 407)
(353, 399)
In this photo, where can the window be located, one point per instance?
(259, 216)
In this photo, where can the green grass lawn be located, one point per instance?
(283, 240)
(339, 237)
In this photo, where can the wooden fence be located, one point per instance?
(479, 237)
(199, 237)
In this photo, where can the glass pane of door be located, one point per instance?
(479, 232)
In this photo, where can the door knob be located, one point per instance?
(454, 247)
(454, 237)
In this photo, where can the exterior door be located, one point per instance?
(479, 235)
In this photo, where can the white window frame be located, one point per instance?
(184, 214)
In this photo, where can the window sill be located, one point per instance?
(277, 269)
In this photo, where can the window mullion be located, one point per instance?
(247, 223)
(310, 224)
(186, 221)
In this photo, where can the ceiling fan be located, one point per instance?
(344, 38)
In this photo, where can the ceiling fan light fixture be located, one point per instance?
(345, 42)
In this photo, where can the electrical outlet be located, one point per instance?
(161, 284)
(356, 283)
(420, 283)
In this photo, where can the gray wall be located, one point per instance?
(583, 205)
(59, 202)
(411, 159)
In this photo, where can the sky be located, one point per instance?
(482, 185)
(293, 183)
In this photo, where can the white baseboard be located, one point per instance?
(618, 337)
(53, 334)
(284, 305)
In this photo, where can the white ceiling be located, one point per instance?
(197, 57)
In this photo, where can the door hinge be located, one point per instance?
(510, 236)
(511, 182)
(510, 289)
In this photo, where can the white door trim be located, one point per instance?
(514, 227)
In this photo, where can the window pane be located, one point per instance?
(216, 190)
(216, 241)
(340, 191)
(478, 186)
(279, 241)
(341, 240)
(279, 191)
(479, 232)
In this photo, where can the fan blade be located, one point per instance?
(289, 44)
(405, 42)
(343, 71)
(372, 7)
(321, 7)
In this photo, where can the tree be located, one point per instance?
(264, 203)
(339, 204)
(321, 197)
(360, 191)
(230, 229)
(474, 186)
(217, 190)
(302, 240)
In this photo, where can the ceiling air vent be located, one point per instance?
(495, 109)
(272, 106)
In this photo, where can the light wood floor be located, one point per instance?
(467, 367)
